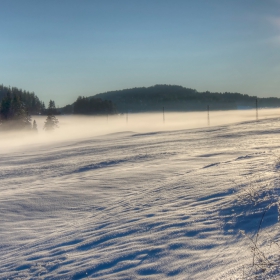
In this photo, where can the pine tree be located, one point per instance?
(13, 113)
(51, 122)
(34, 127)
(20, 116)
(6, 104)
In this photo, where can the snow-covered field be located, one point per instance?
(142, 200)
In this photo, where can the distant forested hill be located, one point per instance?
(89, 106)
(178, 98)
(30, 100)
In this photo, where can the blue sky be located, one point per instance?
(64, 48)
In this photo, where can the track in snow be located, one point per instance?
(137, 205)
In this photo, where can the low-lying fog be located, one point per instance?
(166, 205)
(77, 127)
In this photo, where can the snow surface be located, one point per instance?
(170, 204)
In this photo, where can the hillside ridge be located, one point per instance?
(178, 98)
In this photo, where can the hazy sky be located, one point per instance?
(62, 49)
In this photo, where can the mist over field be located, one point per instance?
(73, 127)
(139, 197)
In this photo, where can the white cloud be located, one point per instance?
(275, 21)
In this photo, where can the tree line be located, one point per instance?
(32, 103)
(17, 106)
(90, 106)
(15, 114)
(178, 98)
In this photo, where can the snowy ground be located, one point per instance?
(142, 205)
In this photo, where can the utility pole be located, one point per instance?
(257, 115)
(208, 115)
(163, 118)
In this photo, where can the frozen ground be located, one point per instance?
(176, 204)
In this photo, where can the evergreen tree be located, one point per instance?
(34, 127)
(6, 104)
(30, 100)
(13, 113)
(93, 106)
(20, 115)
(51, 122)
